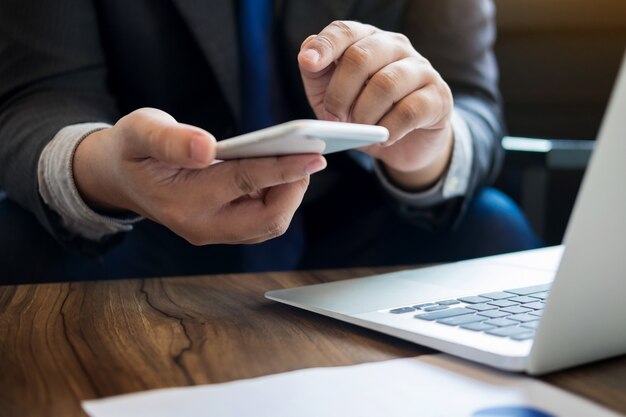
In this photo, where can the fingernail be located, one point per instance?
(197, 149)
(311, 55)
(315, 166)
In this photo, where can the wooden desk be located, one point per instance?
(62, 343)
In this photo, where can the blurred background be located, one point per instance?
(558, 61)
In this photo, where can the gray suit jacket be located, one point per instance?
(70, 61)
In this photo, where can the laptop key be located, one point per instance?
(459, 320)
(523, 317)
(523, 336)
(498, 295)
(523, 299)
(530, 290)
(481, 307)
(434, 308)
(507, 331)
(473, 299)
(419, 306)
(502, 303)
(540, 295)
(451, 312)
(478, 327)
(537, 313)
(502, 322)
(531, 324)
(516, 310)
(494, 314)
(401, 310)
(537, 305)
(448, 302)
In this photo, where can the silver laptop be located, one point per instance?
(535, 311)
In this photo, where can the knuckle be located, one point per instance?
(163, 142)
(447, 102)
(304, 182)
(302, 185)
(151, 136)
(419, 61)
(323, 42)
(129, 125)
(401, 38)
(443, 89)
(307, 40)
(277, 225)
(142, 113)
(124, 127)
(443, 97)
(430, 75)
(356, 56)
(407, 112)
(147, 111)
(244, 182)
(342, 28)
(285, 176)
(386, 80)
(334, 102)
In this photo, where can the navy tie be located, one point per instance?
(256, 40)
(258, 81)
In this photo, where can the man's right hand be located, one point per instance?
(165, 171)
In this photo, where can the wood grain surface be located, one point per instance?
(65, 342)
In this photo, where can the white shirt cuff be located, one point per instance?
(455, 181)
(59, 192)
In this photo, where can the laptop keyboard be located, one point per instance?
(510, 313)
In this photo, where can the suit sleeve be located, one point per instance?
(52, 75)
(457, 37)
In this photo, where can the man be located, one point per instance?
(75, 151)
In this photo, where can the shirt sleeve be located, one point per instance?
(453, 184)
(59, 192)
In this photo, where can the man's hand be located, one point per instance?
(165, 171)
(354, 72)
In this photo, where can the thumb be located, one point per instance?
(155, 134)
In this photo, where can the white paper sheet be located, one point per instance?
(426, 386)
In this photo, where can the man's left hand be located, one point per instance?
(353, 72)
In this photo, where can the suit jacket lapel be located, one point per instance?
(213, 23)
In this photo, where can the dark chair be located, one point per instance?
(543, 176)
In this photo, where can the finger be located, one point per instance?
(315, 83)
(200, 195)
(243, 177)
(315, 89)
(358, 63)
(420, 109)
(308, 38)
(256, 220)
(387, 87)
(319, 52)
(155, 134)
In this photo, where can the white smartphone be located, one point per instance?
(299, 137)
